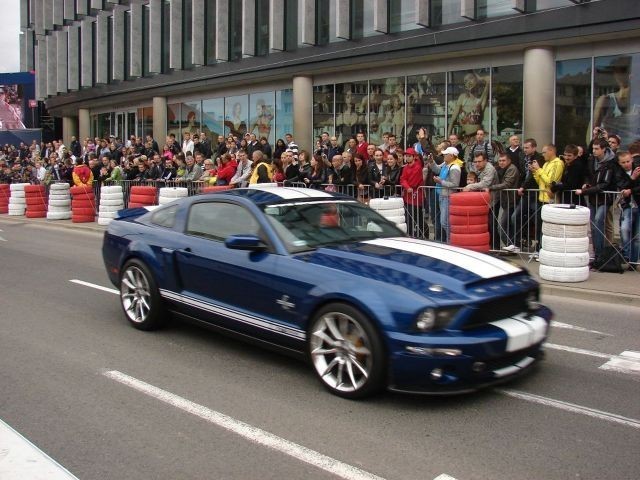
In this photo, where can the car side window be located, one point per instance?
(165, 217)
(218, 220)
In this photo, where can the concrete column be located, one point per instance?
(198, 33)
(84, 124)
(69, 129)
(48, 14)
(468, 9)
(276, 26)
(73, 57)
(302, 111)
(38, 16)
(41, 68)
(52, 65)
(102, 54)
(222, 30)
(58, 12)
(155, 36)
(519, 5)
(343, 19)
(24, 13)
(69, 9)
(539, 74)
(308, 22)
(82, 7)
(249, 27)
(381, 16)
(86, 52)
(135, 52)
(175, 35)
(26, 50)
(63, 41)
(423, 8)
(159, 119)
(117, 47)
(97, 4)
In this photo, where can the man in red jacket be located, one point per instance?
(362, 146)
(413, 195)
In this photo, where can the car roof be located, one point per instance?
(272, 195)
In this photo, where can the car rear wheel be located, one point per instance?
(346, 352)
(139, 296)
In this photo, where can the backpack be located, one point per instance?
(610, 260)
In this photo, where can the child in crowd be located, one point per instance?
(472, 177)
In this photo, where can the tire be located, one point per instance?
(564, 231)
(111, 202)
(138, 290)
(555, 259)
(111, 196)
(104, 221)
(53, 208)
(136, 205)
(59, 187)
(366, 352)
(143, 190)
(84, 197)
(109, 215)
(469, 229)
(394, 212)
(38, 214)
(58, 215)
(17, 201)
(462, 220)
(460, 199)
(174, 192)
(18, 187)
(564, 215)
(18, 194)
(36, 208)
(83, 204)
(462, 240)
(468, 210)
(34, 189)
(59, 196)
(144, 199)
(84, 212)
(82, 218)
(110, 208)
(81, 189)
(402, 226)
(396, 220)
(565, 245)
(165, 200)
(564, 274)
(60, 203)
(15, 212)
(35, 201)
(390, 203)
(110, 189)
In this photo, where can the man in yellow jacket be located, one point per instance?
(263, 171)
(544, 176)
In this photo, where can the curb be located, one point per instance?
(578, 293)
(67, 224)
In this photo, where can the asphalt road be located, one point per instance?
(58, 340)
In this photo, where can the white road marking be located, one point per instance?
(444, 476)
(20, 459)
(97, 287)
(626, 362)
(581, 351)
(245, 430)
(1, 238)
(578, 329)
(572, 407)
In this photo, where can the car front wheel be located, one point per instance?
(346, 352)
(139, 296)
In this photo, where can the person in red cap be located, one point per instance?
(82, 175)
(411, 181)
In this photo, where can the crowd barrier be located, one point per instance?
(513, 219)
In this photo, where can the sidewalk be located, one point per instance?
(617, 288)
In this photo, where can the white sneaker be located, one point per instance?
(511, 248)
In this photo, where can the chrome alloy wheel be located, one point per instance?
(341, 352)
(135, 294)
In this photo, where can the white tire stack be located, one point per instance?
(59, 202)
(169, 194)
(391, 208)
(111, 200)
(17, 200)
(564, 256)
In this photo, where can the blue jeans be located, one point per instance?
(444, 217)
(434, 212)
(598, 234)
(630, 233)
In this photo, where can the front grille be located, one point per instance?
(497, 309)
(510, 358)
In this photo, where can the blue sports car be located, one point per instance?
(325, 277)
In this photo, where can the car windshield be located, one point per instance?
(310, 225)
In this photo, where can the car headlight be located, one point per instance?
(435, 318)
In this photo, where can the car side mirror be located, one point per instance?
(252, 243)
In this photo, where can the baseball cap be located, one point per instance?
(450, 151)
(410, 151)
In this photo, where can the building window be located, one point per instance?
(235, 30)
(173, 120)
(386, 108)
(109, 48)
(127, 44)
(468, 98)
(213, 117)
(326, 22)
(261, 115)
(187, 43)
(351, 109)
(323, 113)
(494, 8)
(284, 112)
(190, 117)
(210, 32)
(362, 19)
(573, 102)
(291, 24)
(145, 40)
(426, 103)
(446, 12)
(546, 4)
(402, 15)
(506, 102)
(166, 35)
(235, 115)
(262, 27)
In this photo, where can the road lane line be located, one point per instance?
(444, 476)
(626, 362)
(572, 407)
(566, 348)
(97, 287)
(245, 430)
(20, 459)
(568, 326)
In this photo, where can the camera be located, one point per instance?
(556, 187)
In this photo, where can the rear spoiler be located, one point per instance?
(135, 212)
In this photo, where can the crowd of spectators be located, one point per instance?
(520, 177)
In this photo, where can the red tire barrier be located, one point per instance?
(143, 199)
(469, 210)
(34, 189)
(470, 199)
(218, 188)
(462, 229)
(81, 189)
(464, 239)
(83, 204)
(136, 205)
(462, 220)
(143, 190)
(36, 214)
(83, 212)
(35, 201)
(83, 218)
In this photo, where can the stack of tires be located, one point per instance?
(83, 204)
(4, 197)
(36, 201)
(469, 220)
(169, 194)
(142, 196)
(564, 256)
(217, 188)
(111, 200)
(17, 202)
(59, 202)
(391, 208)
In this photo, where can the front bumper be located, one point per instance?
(487, 356)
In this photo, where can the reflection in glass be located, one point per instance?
(351, 110)
(190, 117)
(262, 27)
(210, 32)
(446, 12)
(468, 97)
(235, 30)
(262, 115)
(495, 8)
(573, 102)
(402, 15)
(426, 102)
(617, 99)
(323, 110)
(326, 22)
(173, 121)
(545, 4)
(506, 102)
(235, 115)
(187, 44)
(362, 19)
(284, 113)
(213, 117)
(386, 108)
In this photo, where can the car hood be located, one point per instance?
(415, 264)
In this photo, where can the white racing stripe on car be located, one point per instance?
(249, 432)
(522, 331)
(482, 265)
(288, 193)
(234, 315)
